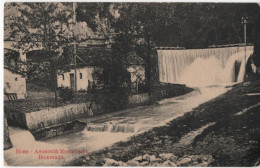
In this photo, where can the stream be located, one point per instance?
(102, 133)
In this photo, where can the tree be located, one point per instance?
(46, 26)
(139, 26)
(189, 25)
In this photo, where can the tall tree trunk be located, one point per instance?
(148, 66)
(54, 81)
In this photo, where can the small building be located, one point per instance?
(87, 57)
(84, 78)
(88, 62)
(14, 78)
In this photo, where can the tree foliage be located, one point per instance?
(141, 26)
(45, 27)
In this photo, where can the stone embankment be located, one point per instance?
(50, 122)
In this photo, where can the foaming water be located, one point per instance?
(20, 137)
(83, 141)
(203, 72)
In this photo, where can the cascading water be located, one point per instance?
(108, 127)
(20, 137)
(23, 140)
(202, 67)
(102, 133)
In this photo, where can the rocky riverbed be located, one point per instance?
(163, 160)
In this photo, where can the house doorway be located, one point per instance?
(72, 81)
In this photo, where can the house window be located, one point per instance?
(62, 76)
(16, 79)
(80, 75)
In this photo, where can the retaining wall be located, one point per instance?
(53, 116)
(56, 121)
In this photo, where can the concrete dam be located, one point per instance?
(203, 67)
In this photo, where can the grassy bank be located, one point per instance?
(231, 140)
(41, 98)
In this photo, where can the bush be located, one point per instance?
(66, 93)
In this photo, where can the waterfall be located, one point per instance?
(202, 67)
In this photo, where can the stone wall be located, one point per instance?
(59, 129)
(54, 116)
(16, 118)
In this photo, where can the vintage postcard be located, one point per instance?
(131, 84)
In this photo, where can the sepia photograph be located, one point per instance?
(131, 84)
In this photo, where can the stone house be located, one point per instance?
(88, 54)
(14, 78)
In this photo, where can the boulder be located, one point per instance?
(110, 162)
(184, 161)
(207, 158)
(168, 163)
(203, 164)
(195, 158)
(154, 159)
(145, 163)
(146, 157)
(132, 163)
(138, 158)
(168, 156)
(121, 164)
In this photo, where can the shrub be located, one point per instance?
(66, 93)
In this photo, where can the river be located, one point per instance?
(103, 133)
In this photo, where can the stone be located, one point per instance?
(246, 84)
(132, 163)
(87, 158)
(173, 158)
(203, 164)
(207, 158)
(146, 157)
(195, 158)
(169, 163)
(195, 163)
(154, 159)
(121, 164)
(154, 164)
(184, 161)
(110, 162)
(145, 163)
(138, 158)
(168, 156)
